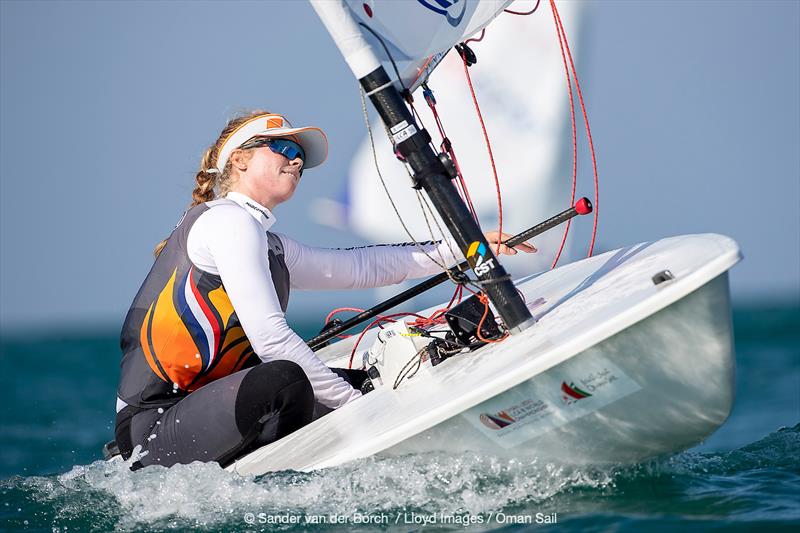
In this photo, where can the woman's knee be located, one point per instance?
(276, 387)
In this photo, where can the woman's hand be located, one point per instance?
(494, 237)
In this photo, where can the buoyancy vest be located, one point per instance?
(181, 331)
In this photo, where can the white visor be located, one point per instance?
(313, 140)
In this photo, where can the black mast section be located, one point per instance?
(430, 174)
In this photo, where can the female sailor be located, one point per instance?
(211, 370)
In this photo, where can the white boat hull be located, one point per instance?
(674, 379)
(617, 369)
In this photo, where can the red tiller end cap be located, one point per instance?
(583, 206)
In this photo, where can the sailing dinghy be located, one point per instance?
(618, 357)
(618, 368)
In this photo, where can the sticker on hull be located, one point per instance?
(550, 400)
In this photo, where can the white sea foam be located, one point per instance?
(204, 495)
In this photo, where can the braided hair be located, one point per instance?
(211, 183)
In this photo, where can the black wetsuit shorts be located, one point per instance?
(225, 419)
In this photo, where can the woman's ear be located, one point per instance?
(239, 160)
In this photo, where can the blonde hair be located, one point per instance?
(211, 183)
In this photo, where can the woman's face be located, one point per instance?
(269, 178)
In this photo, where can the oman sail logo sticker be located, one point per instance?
(480, 264)
(452, 10)
(571, 393)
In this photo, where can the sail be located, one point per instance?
(417, 34)
(520, 85)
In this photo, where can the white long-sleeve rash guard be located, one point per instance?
(231, 241)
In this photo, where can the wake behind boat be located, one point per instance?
(631, 358)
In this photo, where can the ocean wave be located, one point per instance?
(753, 483)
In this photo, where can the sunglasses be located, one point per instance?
(288, 149)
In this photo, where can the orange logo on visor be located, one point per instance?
(274, 122)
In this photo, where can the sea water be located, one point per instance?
(57, 400)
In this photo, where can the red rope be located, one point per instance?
(341, 310)
(437, 317)
(461, 187)
(387, 318)
(447, 146)
(586, 123)
(561, 39)
(476, 39)
(485, 301)
(491, 155)
(524, 12)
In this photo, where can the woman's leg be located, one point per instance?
(228, 417)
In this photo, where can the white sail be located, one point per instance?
(415, 33)
(521, 88)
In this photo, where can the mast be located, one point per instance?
(428, 169)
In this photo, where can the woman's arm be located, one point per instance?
(375, 265)
(362, 267)
(228, 241)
